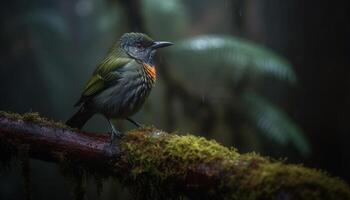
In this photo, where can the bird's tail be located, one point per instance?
(79, 118)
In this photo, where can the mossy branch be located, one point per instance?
(159, 165)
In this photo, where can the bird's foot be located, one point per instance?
(111, 150)
(113, 147)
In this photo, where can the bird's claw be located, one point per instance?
(111, 149)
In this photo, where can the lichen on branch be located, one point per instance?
(158, 165)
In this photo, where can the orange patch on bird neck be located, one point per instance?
(151, 71)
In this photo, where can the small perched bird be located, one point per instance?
(120, 83)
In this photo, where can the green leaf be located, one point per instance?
(274, 123)
(235, 57)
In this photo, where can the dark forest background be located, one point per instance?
(268, 76)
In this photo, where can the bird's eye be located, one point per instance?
(138, 45)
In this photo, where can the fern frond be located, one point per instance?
(237, 56)
(274, 123)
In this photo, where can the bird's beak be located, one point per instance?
(160, 44)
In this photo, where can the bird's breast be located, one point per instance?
(128, 95)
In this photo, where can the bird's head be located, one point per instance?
(140, 46)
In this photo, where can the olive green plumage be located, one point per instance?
(121, 82)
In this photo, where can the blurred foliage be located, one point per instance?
(238, 59)
(222, 69)
(273, 122)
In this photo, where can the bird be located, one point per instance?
(120, 83)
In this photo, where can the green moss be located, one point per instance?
(33, 117)
(272, 180)
(156, 152)
(156, 158)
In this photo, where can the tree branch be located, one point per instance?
(159, 165)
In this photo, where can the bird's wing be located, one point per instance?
(104, 74)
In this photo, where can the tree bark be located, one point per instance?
(158, 165)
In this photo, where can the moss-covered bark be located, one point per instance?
(217, 172)
(158, 165)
